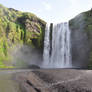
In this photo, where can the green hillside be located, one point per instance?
(18, 27)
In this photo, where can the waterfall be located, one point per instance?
(46, 55)
(60, 48)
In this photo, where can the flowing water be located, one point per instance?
(7, 83)
(46, 46)
(60, 47)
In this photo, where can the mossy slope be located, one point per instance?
(17, 27)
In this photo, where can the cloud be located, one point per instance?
(74, 1)
(39, 10)
(47, 6)
(90, 3)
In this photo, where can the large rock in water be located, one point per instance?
(81, 39)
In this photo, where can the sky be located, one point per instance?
(55, 11)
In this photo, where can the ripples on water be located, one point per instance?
(7, 84)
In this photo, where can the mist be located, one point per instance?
(24, 56)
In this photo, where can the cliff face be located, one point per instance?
(81, 39)
(19, 28)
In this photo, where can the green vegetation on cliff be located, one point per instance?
(18, 28)
(88, 29)
(83, 22)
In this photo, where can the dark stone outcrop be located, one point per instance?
(81, 39)
(56, 80)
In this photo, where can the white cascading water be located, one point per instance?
(46, 56)
(61, 47)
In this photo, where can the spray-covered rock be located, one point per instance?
(81, 36)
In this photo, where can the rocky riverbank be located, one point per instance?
(56, 80)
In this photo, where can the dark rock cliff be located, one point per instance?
(81, 39)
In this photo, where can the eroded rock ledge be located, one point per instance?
(56, 81)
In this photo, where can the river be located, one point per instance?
(7, 82)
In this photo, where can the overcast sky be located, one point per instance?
(51, 10)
